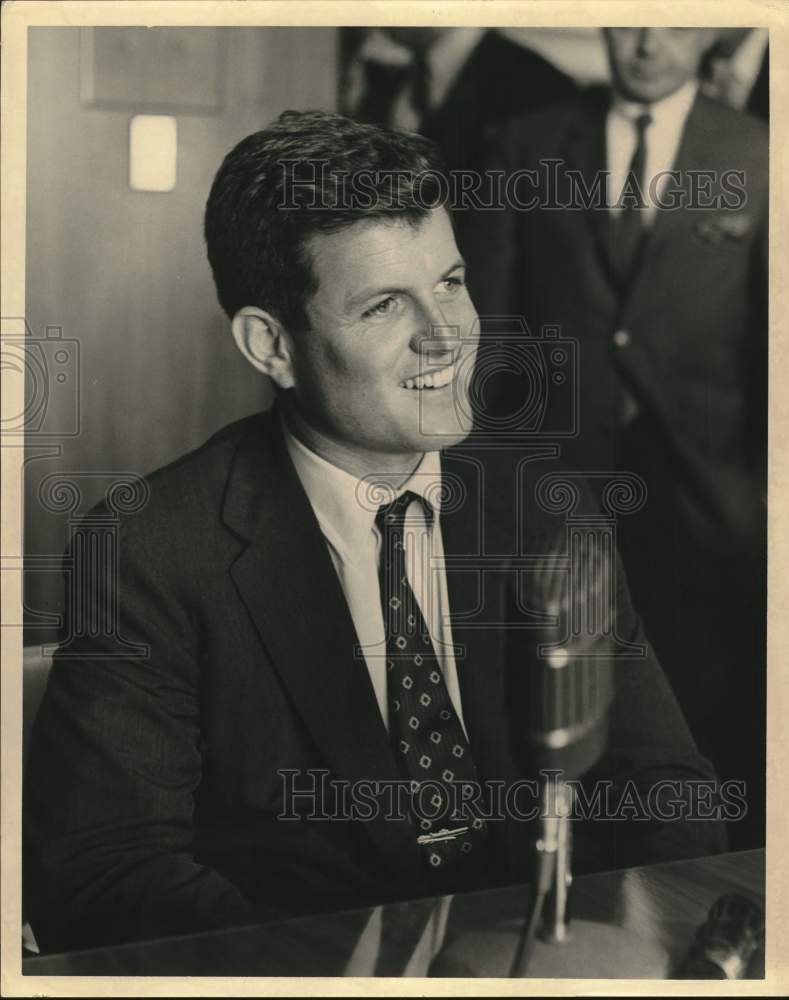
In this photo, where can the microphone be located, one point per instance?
(562, 681)
(566, 684)
(569, 675)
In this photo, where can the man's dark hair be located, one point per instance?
(309, 172)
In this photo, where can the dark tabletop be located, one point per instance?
(633, 923)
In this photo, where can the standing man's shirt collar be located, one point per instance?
(447, 57)
(379, 47)
(663, 139)
(672, 109)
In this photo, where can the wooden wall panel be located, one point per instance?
(124, 273)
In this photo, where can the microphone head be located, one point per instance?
(569, 677)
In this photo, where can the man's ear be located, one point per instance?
(265, 344)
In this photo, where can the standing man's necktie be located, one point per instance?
(382, 86)
(627, 229)
(427, 737)
(419, 80)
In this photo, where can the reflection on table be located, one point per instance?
(634, 923)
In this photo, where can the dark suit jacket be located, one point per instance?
(695, 315)
(500, 81)
(153, 786)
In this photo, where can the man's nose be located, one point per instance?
(648, 41)
(434, 334)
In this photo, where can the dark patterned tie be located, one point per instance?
(427, 737)
(627, 229)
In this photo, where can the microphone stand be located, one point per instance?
(553, 876)
(555, 927)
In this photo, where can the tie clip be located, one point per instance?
(441, 835)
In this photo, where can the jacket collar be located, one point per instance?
(585, 151)
(285, 578)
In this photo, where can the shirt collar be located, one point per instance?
(674, 108)
(346, 506)
(378, 47)
(425, 480)
(747, 58)
(447, 56)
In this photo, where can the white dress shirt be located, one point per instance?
(347, 520)
(663, 137)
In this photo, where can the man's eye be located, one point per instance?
(382, 308)
(452, 284)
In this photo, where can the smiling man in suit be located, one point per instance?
(657, 265)
(290, 635)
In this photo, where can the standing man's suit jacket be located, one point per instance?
(500, 81)
(687, 338)
(153, 786)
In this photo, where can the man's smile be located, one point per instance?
(438, 379)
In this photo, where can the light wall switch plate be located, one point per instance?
(153, 152)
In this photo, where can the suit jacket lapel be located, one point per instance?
(585, 151)
(457, 122)
(286, 579)
(693, 154)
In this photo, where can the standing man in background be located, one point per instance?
(657, 265)
(457, 86)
